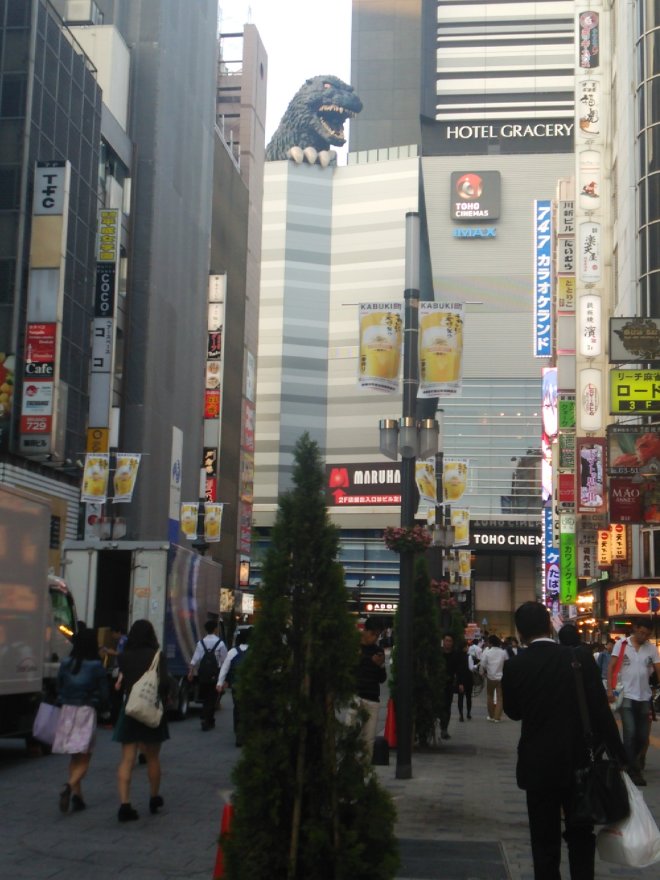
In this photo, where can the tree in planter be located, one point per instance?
(428, 668)
(307, 802)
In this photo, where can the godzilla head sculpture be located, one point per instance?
(314, 121)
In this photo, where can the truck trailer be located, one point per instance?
(37, 614)
(115, 583)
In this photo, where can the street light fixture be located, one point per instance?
(410, 438)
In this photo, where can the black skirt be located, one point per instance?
(128, 730)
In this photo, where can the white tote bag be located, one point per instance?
(144, 703)
(635, 841)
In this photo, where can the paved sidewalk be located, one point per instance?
(460, 817)
(463, 803)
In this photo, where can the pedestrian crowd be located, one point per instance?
(535, 681)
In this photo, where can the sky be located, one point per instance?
(301, 40)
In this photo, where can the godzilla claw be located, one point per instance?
(296, 155)
(327, 157)
(311, 155)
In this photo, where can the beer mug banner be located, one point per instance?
(126, 469)
(95, 477)
(440, 349)
(381, 335)
(212, 521)
(454, 478)
(460, 520)
(189, 514)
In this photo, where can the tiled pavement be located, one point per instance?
(460, 817)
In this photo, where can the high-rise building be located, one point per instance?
(451, 91)
(129, 247)
(422, 61)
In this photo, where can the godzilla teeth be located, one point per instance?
(334, 108)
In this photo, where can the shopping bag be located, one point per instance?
(635, 841)
(144, 703)
(600, 796)
(45, 723)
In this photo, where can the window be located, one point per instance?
(12, 102)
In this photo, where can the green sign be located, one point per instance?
(567, 452)
(566, 405)
(568, 581)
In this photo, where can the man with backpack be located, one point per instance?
(209, 655)
(229, 675)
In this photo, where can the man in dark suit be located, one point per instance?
(539, 690)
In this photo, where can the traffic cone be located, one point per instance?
(390, 724)
(225, 828)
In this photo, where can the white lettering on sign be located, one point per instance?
(509, 130)
(510, 540)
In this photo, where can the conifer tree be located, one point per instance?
(427, 665)
(307, 802)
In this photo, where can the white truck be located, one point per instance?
(118, 582)
(37, 614)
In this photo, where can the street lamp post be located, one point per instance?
(411, 439)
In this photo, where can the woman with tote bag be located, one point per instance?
(141, 652)
(82, 687)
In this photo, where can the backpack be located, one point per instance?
(234, 665)
(208, 667)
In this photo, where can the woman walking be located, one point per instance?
(82, 687)
(137, 656)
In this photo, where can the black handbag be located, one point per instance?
(599, 792)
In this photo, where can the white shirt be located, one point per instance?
(209, 641)
(492, 662)
(636, 669)
(475, 652)
(224, 669)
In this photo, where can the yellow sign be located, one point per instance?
(108, 235)
(566, 293)
(634, 391)
(98, 439)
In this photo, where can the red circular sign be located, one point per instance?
(642, 599)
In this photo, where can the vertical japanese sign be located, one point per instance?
(591, 458)
(103, 322)
(551, 561)
(39, 405)
(590, 329)
(542, 278)
(568, 555)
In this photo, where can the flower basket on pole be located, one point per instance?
(414, 538)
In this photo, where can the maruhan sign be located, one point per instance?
(509, 130)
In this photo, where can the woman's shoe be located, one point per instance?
(127, 813)
(77, 804)
(65, 798)
(155, 803)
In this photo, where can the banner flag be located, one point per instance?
(189, 514)
(95, 477)
(126, 470)
(440, 349)
(212, 521)
(381, 338)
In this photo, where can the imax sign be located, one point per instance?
(475, 232)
